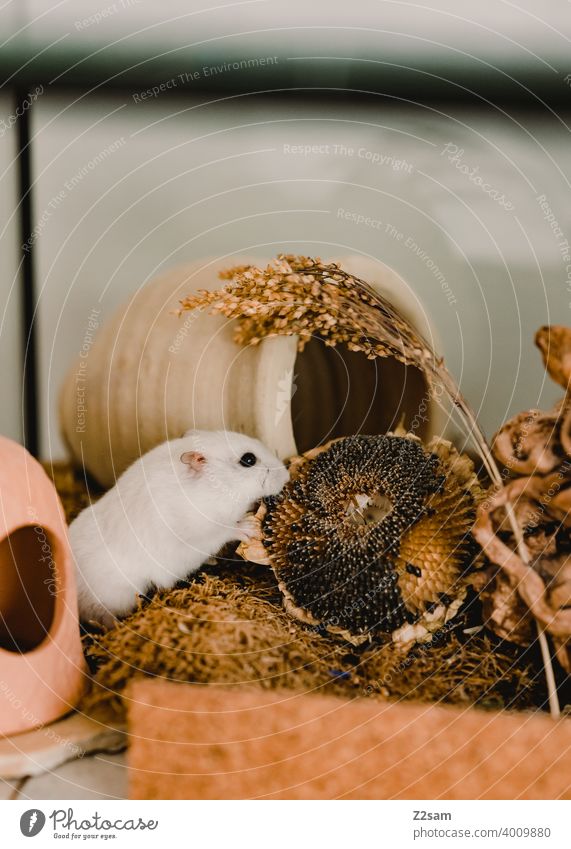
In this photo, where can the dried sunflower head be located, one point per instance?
(372, 534)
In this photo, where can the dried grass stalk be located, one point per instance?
(299, 295)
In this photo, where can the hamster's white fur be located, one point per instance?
(167, 514)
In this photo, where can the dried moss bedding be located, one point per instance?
(229, 626)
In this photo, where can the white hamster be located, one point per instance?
(167, 514)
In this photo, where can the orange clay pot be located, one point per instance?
(41, 662)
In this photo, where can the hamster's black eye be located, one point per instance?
(248, 459)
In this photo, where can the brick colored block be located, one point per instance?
(196, 742)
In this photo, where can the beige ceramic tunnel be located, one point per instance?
(152, 374)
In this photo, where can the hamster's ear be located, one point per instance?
(194, 460)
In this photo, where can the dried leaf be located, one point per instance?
(530, 443)
(530, 584)
(554, 342)
(505, 612)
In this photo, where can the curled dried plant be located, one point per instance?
(531, 442)
(536, 442)
(539, 443)
(535, 450)
(554, 343)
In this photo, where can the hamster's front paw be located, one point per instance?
(247, 528)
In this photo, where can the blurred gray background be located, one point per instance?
(272, 127)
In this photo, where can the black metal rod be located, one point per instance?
(29, 353)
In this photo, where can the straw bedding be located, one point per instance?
(228, 626)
